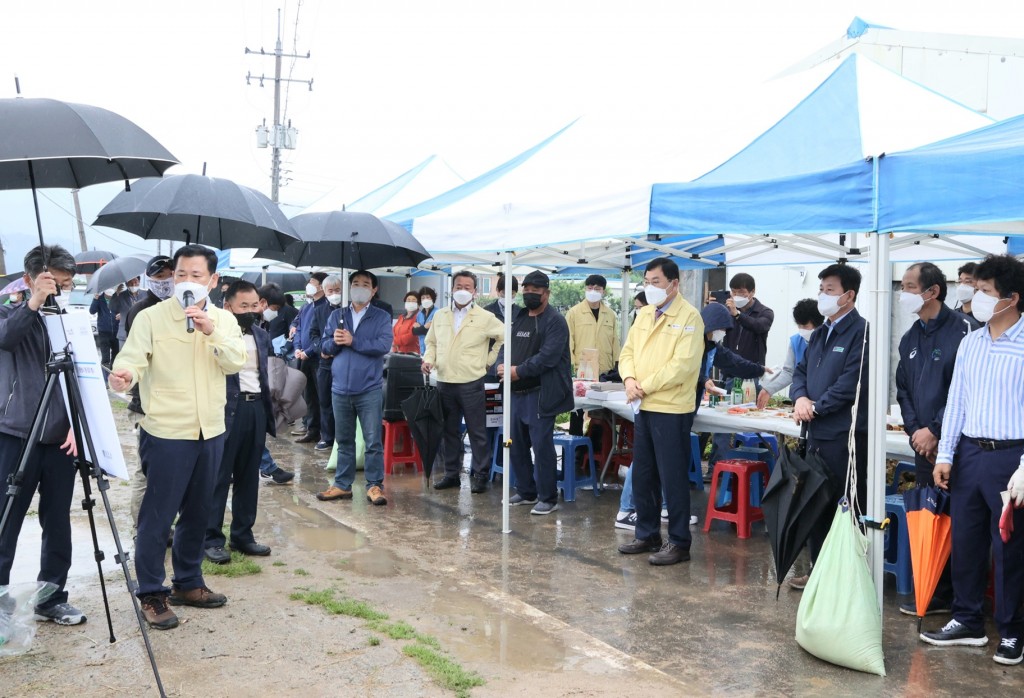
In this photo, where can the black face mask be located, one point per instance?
(246, 320)
(532, 300)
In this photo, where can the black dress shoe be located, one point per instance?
(669, 554)
(309, 438)
(641, 546)
(218, 555)
(448, 482)
(478, 484)
(255, 549)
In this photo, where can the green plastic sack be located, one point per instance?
(332, 463)
(838, 619)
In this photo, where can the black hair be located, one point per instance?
(467, 274)
(362, 272)
(849, 278)
(272, 294)
(930, 275)
(642, 297)
(806, 311)
(197, 251)
(968, 268)
(596, 280)
(1006, 273)
(501, 284)
(428, 291)
(411, 293)
(289, 299)
(319, 276)
(744, 281)
(52, 257)
(669, 268)
(240, 286)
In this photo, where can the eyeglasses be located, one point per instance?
(69, 287)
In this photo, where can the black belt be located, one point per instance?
(250, 397)
(993, 445)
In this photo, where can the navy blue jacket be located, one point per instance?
(828, 376)
(317, 325)
(105, 323)
(728, 362)
(358, 368)
(749, 335)
(551, 363)
(263, 350)
(301, 322)
(927, 356)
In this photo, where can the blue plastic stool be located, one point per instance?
(896, 560)
(496, 467)
(724, 495)
(696, 471)
(569, 482)
(897, 476)
(763, 440)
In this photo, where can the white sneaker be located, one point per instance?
(626, 520)
(693, 519)
(664, 514)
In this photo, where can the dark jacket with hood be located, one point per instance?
(716, 317)
(551, 364)
(749, 334)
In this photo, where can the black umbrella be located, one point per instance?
(198, 209)
(351, 240)
(798, 493)
(91, 261)
(425, 417)
(287, 280)
(119, 271)
(48, 143)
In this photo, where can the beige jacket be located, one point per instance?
(463, 356)
(587, 333)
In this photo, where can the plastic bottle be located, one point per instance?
(737, 391)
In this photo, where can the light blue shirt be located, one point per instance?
(986, 395)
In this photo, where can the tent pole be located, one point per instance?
(627, 304)
(506, 399)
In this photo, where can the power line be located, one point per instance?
(90, 227)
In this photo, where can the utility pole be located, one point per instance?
(3, 259)
(78, 219)
(277, 137)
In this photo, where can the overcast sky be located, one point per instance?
(474, 82)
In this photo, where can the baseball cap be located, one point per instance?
(158, 264)
(538, 279)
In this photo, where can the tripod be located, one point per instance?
(61, 365)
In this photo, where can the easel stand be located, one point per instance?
(60, 365)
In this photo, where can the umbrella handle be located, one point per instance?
(801, 443)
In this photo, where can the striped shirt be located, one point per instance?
(986, 396)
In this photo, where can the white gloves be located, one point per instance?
(1016, 487)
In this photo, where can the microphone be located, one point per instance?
(190, 324)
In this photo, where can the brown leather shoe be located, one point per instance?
(332, 493)
(201, 597)
(376, 496)
(156, 613)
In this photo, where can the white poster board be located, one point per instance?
(76, 329)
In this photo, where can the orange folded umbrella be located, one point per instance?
(929, 532)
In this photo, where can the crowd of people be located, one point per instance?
(211, 387)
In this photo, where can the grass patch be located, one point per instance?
(118, 404)
(374, 641)
(446, 672)
(240, 566)
(339, 607)
(278, 563)
(301, 572)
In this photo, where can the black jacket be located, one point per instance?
(24, 351)
(264, 349)
(927, 356)
(492, 371)
(551, 364)
(728, 362)
(279, 325)
(828, 376)
(749, 336)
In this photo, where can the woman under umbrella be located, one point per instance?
(405, 341)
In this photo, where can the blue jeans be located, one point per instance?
(267, 464)
(626, 498)
(369, 408)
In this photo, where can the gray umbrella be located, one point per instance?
(91, 261)
(198, 209)
(351, 240)
(117, 272)
(286, 280)
(47, 143)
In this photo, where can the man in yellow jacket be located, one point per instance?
(181, 374)
(459, 345)
(660, 363)
(592, 325)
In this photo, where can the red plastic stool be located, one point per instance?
(400, 447)
(739, 511)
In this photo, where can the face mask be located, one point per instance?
(269, 315)
(334, 299)
(161, 288)
(594, 296)
(462, 297)
(310, 290)
(246, 320)
(109, 293)
(655, 296)
(740, 301)
(828, 305)
(411, 306)
(806, 334)
(133, 288)
(532, 300)
(62, 301)
(983, 306)
(501, 302)
(911, 302)
(427, 304)
(717, 336)
(199, 292)
(360, 295)
(964, 293)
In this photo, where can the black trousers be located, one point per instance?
(323, 389)
(109, 346)
(465, 401)
(536, 477)
(240, 470)
(52, 472)
(661, 462)
(836, 454)
(311, 395)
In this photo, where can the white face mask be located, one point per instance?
(199, 292)
(740, 301)
(360, 295)
(829, 305)
(109, 293)
(501, 302)
(411, 306)
(310, 290)
(462, 297)
(162, 288)
(427, 304)
(269, 315)
(717, 336)
(334, 299)
(655, 296)
(806, 334)
(983, 306)
(911, 302)
(133, 288)
(964, 293)
(62, 300)
(594, 296)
